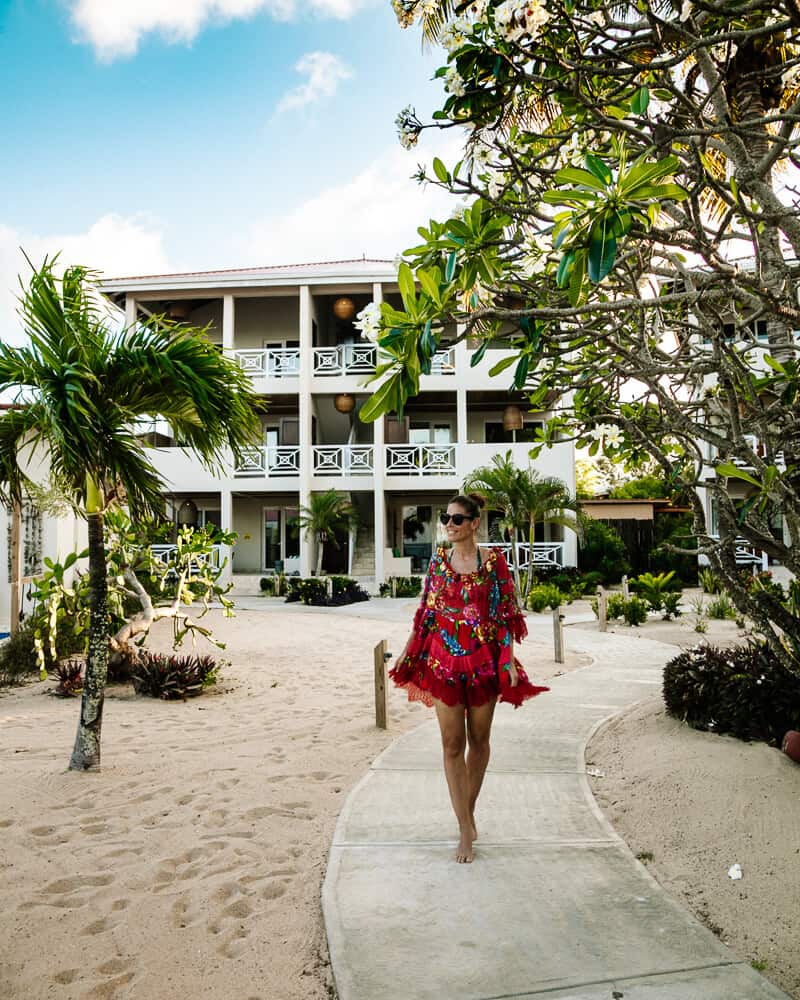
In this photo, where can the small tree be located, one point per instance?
(326, 513)
(84, 385)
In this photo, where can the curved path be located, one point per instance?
(555, 905)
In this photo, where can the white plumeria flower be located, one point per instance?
(454, 83)
(427, 7)
(494, 184)
(455, 34)
(368, 322)
(686, 10)
(599, 431)
(613, 436)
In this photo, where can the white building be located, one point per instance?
(309, 364)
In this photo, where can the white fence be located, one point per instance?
(271, 362)
(343, 460)
(166, 553)
(420, 460)
(281, 460)
(346, 359)
(543, 553)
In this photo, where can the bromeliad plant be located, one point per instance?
(81, 384)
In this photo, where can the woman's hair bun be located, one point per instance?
(477, 499)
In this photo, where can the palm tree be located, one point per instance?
(499, 484)
(544, 499)
(325, 513)
(525, 498)
(82, 386)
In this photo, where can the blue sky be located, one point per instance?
(180, 134)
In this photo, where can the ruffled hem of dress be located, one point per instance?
(424, 686)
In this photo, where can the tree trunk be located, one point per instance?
(515, 561)
(320, 553)
(86, 752)
(531, 538)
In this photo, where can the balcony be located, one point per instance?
(542, 554)
(343, 460)
(271, 362)
(164, 554)
(346, 359)
(421, 460)
(269, 462)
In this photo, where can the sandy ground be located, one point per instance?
(191, 865)
(692, 804)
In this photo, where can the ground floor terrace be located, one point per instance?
(396, 533)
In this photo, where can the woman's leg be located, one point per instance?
(454, 741)
(479, 726)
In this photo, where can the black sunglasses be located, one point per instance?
(457, 519)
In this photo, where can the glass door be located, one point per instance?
(272, 537)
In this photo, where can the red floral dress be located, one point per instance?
(459, 651)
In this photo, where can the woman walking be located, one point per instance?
(460, 656)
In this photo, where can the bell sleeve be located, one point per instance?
(507, 612)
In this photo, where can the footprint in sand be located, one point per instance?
(6, 823)
(65, 885)
(65, 976)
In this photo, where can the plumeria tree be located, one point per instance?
(626, 220)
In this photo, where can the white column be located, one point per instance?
(305, 334)
(130, 310)
(228, 322)
(226, 516)
(379, 477)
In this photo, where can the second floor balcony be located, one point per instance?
(343, 359)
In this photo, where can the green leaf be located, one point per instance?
(575, 175)
(732, 471)
(565, 269)
(450, 267)
(382, 400)
(429, 285)
(602, 250)
(521, 372)
(599, 168)
(640, 101)
(501, 365)
(440, 170)
(477, 356)
(405, 279)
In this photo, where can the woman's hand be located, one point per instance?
(513, 673)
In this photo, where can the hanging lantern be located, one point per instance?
(512, 418)
(344, 308)
(345, 402)
(187, 514)
(179, 311)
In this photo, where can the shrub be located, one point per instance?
(546, 595)
(743, 691)
(70, 679)
(652, 588)
(720, 607)
(674, 529)
(566, 578)
(602, 550)
(635, 611)
(671, 602)
(348, 592)
(404, 586)
(173, 676)
(591, 581)
(18, 656)
(709, 580)
(314, 591)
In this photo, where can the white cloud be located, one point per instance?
(115, 27)
(375, 214)
(325, 72)
(114, 245)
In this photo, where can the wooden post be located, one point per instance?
(625, 591)
(394, 586)
(602, 608)
(380, 656)
(16, 565)
(558, 634)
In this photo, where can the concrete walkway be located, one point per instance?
(554, 906)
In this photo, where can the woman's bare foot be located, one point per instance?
(464, 854)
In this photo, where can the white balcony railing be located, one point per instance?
(420, 460)
(346, 359)
(270, 461)
(343, 460)
(166, 553)
(544, 553)
(271, 362)
(444, 362)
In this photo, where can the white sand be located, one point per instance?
(191, 865)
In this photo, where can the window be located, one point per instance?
(497, 434)
(424, 432)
